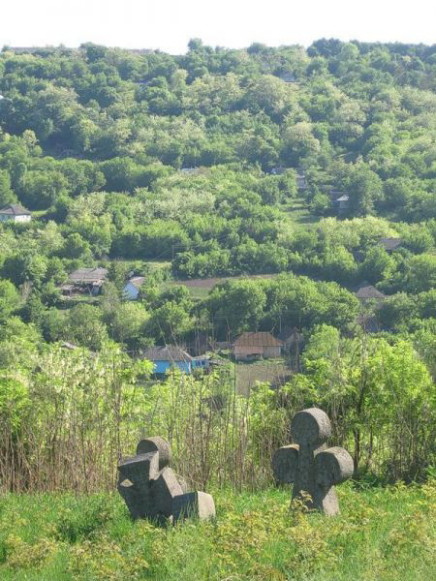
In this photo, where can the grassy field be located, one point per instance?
(382, 534)
(273, 371)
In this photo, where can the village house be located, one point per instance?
(15, 213)
(262, 344)
(287, 77)
(168, 357)
(88, 280)
(132, 287)
(301, 182)
(340, 201)
(368, 292)
(390, 244)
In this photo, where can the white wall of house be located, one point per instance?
(12, 218)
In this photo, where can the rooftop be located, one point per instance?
(137, 281)
(15, 210)
(167, 353)
(391, 243)
(88, 275)
(367, 291)
(259, 339)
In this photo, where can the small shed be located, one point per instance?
(168, 357)
(256, 345)
(132, 287)
(15, 213)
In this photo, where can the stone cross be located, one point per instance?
(311, 466)
(151, 489)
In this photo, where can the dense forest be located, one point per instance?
(315, 168)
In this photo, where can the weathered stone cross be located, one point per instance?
(311, 466)
(151, 489)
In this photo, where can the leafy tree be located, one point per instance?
(9, 299)
(7, 196)
(377, 265)
(365, 189)
(236, 307)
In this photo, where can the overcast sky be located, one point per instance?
(169, 24)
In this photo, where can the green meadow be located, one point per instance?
(382, 534)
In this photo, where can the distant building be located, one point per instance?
(85, 279)
(390, 244)
(368, 292)
(168, 357)
(343, 203)
(277, 171)
(15, 213)
(200, 362)
(132, 287)
(287, 77)
(339, 200)
(301, 182)
(290, 338)
(256, 345)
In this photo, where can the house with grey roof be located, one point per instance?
(258, 345)
(88, 280)
(368, 292)
(391, 244)
(168, 357)
(15, 213)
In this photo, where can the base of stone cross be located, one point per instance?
(193, 504)
(320, 499)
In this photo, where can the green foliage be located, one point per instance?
(381, 532)
(221, 163)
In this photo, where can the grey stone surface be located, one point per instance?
(193, 504)
(163, 491)
(156, 444)
(313, 468)
(150, 487)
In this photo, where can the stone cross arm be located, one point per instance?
(285, 464)
(333, 466)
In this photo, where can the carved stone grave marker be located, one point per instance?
(311, 466)
(151, 489)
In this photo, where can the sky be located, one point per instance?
(168, 25)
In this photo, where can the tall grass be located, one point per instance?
(71, 416)
(68, 417)
(382, 534)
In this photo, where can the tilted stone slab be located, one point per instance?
(163, 490)
(135, 476)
